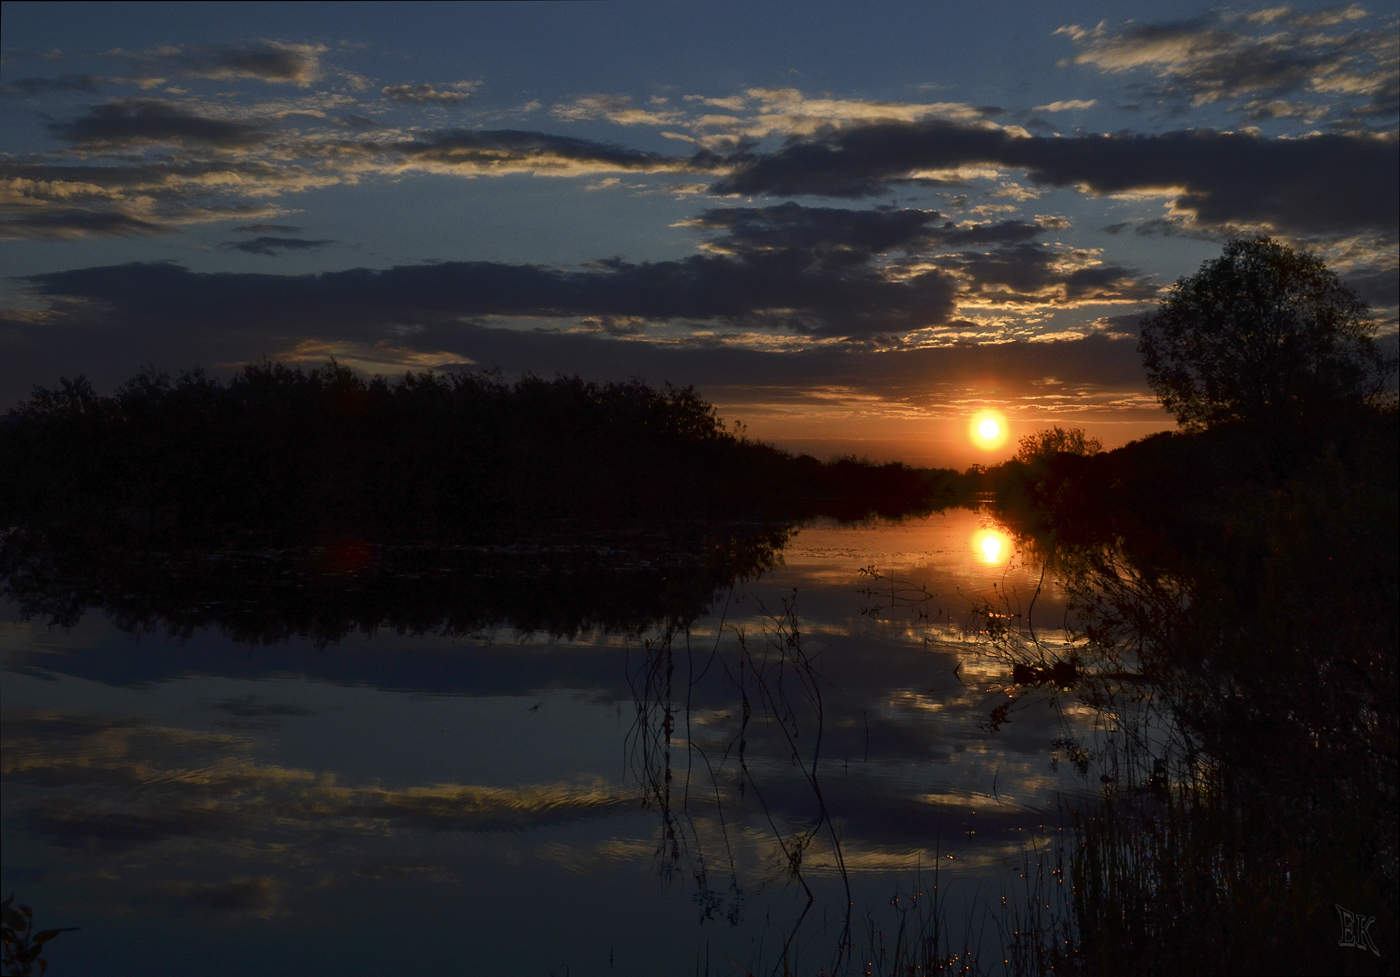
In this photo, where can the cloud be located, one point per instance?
(257, 896)
(48, 181)
(268, 229)
(1035, 274)
(791, 227)
(780, 291)
(45, 86)
(1166, 227)
(216, 177)
(488, 152)
(143, 121)
(1067, 105)
(39, 198)
(784, 275)
(272, 62)
(725, 124)
(617, 109)
(950, 234)
(272, 246)
(1263, 56)
(861, 161)
(852, 235)
(1321, 184)
(72, 224)
(788, 111)
(892, 372)
(421, 93)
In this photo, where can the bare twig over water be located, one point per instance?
(777, 687)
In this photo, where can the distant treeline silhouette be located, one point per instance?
(294, 456)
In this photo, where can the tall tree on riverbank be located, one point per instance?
(1263, 334)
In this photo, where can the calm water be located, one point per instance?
(481, 800)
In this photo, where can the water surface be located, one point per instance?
(597, 793)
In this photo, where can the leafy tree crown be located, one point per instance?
(1262, 334)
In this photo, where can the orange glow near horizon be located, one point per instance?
(988, 430)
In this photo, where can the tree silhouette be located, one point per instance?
(1045, 444)
(1262, 334)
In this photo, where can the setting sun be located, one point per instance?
(988, 430)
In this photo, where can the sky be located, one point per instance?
(850, 229)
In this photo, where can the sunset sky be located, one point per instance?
(850, 228)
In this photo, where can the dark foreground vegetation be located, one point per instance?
(293, 456)
(1236, 589)
(1237, 596)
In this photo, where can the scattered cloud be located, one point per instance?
(259, 896)
(614, 108)
(498, 152)
(421, 93)
(1067, 105)
(780, 291)
(146, 121)
(147, 196)
(1034, 274)
(853, 235)
(86, 84)
(268, 229)
(1263, 56)
(273, 246)
(271, 62)
(71, 224)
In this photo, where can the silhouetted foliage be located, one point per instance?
(1263, 334)
(293, 456)
(1043, 445)
(1044, 473)
(1257, 602)
(20, 946)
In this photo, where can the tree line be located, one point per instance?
(292, 455)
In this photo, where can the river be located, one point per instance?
(786, 776)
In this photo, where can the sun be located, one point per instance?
(988, 430)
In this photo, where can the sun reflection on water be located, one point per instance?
(992, 546)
